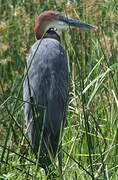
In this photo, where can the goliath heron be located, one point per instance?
(45, 89)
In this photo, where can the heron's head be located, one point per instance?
(56, 20)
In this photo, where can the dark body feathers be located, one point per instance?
(46, 86)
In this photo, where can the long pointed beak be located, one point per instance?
(76, 23)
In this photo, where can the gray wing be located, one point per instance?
(47, 84)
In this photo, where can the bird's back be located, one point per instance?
(46, 88)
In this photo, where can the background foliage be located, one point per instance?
(90, 142)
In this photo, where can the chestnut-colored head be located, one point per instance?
(53, 19)
(45, 21)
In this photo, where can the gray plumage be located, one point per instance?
(46, 89)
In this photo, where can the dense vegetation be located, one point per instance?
(90, 142)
